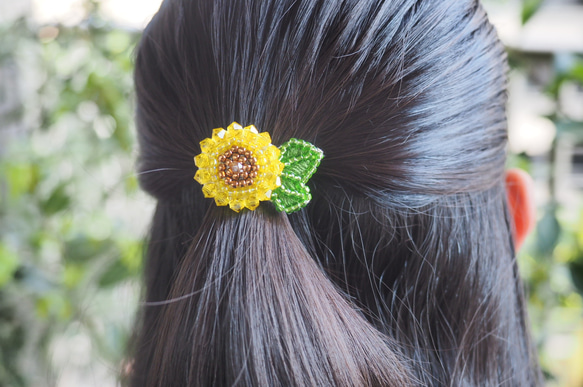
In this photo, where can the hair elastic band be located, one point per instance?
(240, 167)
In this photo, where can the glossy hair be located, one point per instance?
(401, 271)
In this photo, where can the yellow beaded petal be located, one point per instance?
(267, 160)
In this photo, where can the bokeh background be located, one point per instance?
(72, 219)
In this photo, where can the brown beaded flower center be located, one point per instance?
(238, 167)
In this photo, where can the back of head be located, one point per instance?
(401, 271)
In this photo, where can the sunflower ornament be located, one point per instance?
(239, 167)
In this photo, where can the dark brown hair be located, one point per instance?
(401, 271)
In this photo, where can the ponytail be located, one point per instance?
(250, 307)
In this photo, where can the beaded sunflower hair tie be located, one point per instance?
(240, 167)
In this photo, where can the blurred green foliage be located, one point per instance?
(64, 175)
(529, 8)
(67, 189)
(552, 261)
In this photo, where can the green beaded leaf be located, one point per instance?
(292, 195)
(301, 159)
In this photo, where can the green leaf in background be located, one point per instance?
(57, 201)
(73, 275)
(548, 231)
(568, 69)
(12, 339)
(126, 266)
(21, 178)
(8, 264)
(54, 305)
(114, 274)
(577, 72)
(131, 254)
(131, 184)
(83, 249)
(518, 161)
(118, 41)
(576, 268)
(529, 8)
